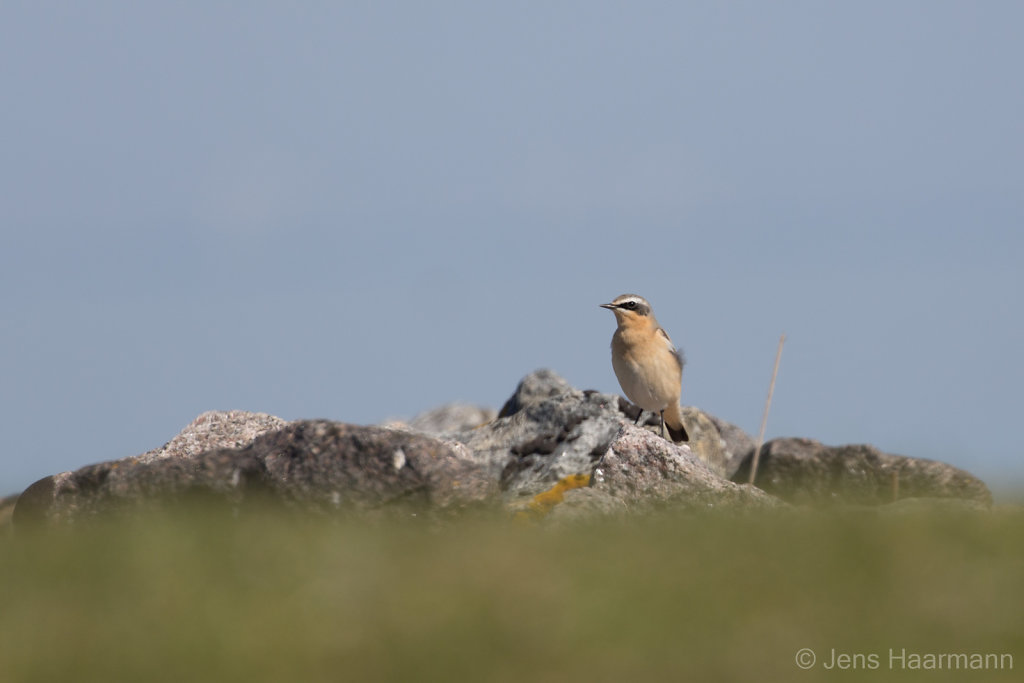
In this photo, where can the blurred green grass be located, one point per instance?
(283, 597)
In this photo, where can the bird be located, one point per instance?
(647, 364)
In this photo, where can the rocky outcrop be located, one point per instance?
(314, 464)
(804, 471)
(552, 450)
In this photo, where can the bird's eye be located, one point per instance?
(630, 305)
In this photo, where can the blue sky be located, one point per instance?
(363, 210)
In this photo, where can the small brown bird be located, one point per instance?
(647, 364)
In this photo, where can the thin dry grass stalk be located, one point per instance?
(767, 407)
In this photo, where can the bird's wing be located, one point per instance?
(672, 347)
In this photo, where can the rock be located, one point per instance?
(213, 430)
(705, 441)
(343, 465)
(35, 503)
(547, 438)
(535, 387)
(646, 471)
(805, 471)
(315, 464)
(548, 430)
(543, 503)
(451, 417)
(222, 475)
(737, 444)
(85, 491)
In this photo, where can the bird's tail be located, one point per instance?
(674, 423)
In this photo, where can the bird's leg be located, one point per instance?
(663, 424)
(637, 420)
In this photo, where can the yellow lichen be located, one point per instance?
(542, 503)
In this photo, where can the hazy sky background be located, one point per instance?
(363, 210)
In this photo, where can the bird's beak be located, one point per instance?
(610, 307)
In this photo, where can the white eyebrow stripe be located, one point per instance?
(634, 298)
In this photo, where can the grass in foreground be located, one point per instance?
(272, 597)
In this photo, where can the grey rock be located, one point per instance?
(314, 464)
(535, 387)
(646, 471)
(119, 484)
(451, 417)
(343, 465)
(737, 444)
(545, 439)
(548, 430)
(705, 440)
(805, 471)
(91, 488)
(214, 430)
